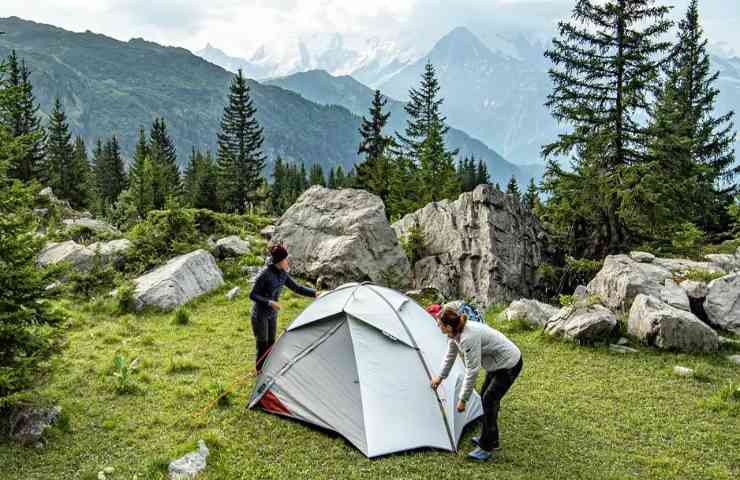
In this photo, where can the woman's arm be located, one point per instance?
(258, 288)
(471, 347)
(449, 359)
(299, 289)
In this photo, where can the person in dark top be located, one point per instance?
(265, 293)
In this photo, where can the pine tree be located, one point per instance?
(109, 171)
(140, 181)
(316, 175)
(531, 197)
(19, 114)
(373, 172)
(200, 182)
(27, 318)
(341, 178)
(438, 178)
(605, 64)
(512, 188)
(240, 157)
(165, 181)
(688, 145)
(84, 175)
(482, 177)
(60, 175)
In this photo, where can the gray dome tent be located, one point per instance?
(359, 361)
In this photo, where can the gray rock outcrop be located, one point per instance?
(658, 324)
(674, 295)
(622, 278)
(582, 323)
(28, 424)
(722, 304)
(231, 246)
(339, 236)
(178, 281)
(111, 252)
(189, 465)
(531, 312)
(97, 226)
(484, 246)
(78, 256)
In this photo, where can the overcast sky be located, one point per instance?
(240, 26)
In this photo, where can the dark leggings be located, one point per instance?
(264, 332)
(497, 383)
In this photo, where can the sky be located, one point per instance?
(239, 27)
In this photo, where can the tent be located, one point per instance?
(359, 361)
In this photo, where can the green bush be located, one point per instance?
(181, 316)
(413, 243)
(687, 240)
(556, 280)
(122, 372)
(100, 279)
(699, 275)
(125, 302)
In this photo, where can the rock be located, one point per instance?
(101, 475)
(725, 261)
(47, 194)
(97, 226)
(109, 470)
(683, 371)
(231, 246)
(79, 257)
(232, 294)
(723, 303)
(268, 231)
(642, 257)
(621, 279)
(734, 359)
(674, 295)
(426, 296)
(53, 286)
(580, 293)
(621, 349)
(681, 266)
(342, 236)
(531, 312)
(583, 323)
(40, 212)
(189, 465)
(27, 424)
(694, 289)
(178, 281)
(113, 251)
(623, 341)
(661, 325)
(483, 246)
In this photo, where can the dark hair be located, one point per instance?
(450, 318)
(278, 253)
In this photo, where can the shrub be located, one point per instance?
(699, 275)
(125, 301)
(122, 371)
(554, 280)
(101, 278)
(413, 243)
(687, 240)
(182, 316)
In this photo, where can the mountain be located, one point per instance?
(728, 83)
(370, 61)
(112, 87)
(492, 95)
(323, 88)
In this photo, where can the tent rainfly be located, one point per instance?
(359, 361)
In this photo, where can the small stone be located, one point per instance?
(642, 257)
(232, 294)
(621, 349)
(109, 470)
(101, 475)
(734, 359)
(189, 465)
(683, 371)
(623, 341)
(580, 293)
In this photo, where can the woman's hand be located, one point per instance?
(275, 306)
(461, 406)
(319, 293)
(436, 381)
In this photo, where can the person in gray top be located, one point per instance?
(480, 346)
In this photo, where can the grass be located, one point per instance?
(575, 412)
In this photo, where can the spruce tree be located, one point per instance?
(316, 175)
(165, 181)
(531, 197)
(688, 145)
(67, 169)
(341, 178)
(512, 188)
(81, 165)
(19, 114)
(605, 64)
(240, 157)
(373, 172)
(140, 179)
(438, 178)
(109, 171)
(482, 177)
(200, 182)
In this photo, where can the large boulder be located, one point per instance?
(725, 261)
(622, 278)
(682, 266)
(28, 424)
(531, 312)
(582, 323)
(339, 236)
(97, 226)
(722, 304)
(178, 281)
(231, 246)
(113, 251)
(78, 256)
(484, 246)
(661, 325)
(674, 295)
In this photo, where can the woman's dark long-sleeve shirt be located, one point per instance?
(267, 287)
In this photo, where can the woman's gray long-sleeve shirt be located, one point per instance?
(480, 346)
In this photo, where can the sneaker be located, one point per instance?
(476, 442)
(480, 455)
